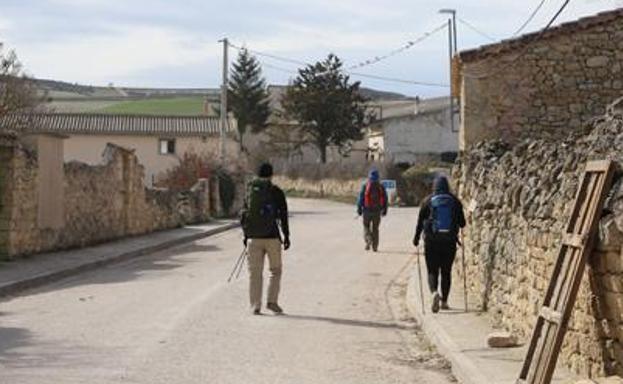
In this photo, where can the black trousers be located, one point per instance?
(439, 259)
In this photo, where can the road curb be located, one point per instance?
(462, 367)
(14, 287)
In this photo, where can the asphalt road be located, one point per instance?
(172, 318)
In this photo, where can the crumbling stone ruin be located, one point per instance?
(518, 199)
(88, 205)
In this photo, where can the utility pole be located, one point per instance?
(224, 86)
(452, 48)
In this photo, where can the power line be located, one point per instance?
(364, 75)
(397, 51)
(536, 10)
(269, 55)
(397, 80)
(536, 37)
(478, 31)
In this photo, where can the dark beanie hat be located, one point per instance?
(265, 170)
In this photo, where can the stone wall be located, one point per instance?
(330, 188)
(518, 200)
(542, 86)
(102, 202)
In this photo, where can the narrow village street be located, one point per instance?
(172, 318)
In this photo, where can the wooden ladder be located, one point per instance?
(575, 249)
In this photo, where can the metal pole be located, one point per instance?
(456, 52)
(464, 271)
(223, 100)
(418, 254)
(450, 51)
(454, 32)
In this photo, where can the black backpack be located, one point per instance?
(260, 217)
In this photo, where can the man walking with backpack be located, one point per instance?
(440, 218)
(372, 204)
(264, 212)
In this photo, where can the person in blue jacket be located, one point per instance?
(372, 204)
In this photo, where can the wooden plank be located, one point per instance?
(550, 315)
(598, 166)
(562, 291)
(574, 240)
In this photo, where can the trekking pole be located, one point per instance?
(236, 266)
(242, 263)
(464, 271)
(419, 272)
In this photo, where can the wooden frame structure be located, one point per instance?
(560, 298)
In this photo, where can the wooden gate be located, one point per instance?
(575, 249)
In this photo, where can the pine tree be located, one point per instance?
(329, 108)
(248, 95)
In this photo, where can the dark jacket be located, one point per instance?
(458, 220)
(279, 200)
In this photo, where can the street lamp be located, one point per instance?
(453, 13)
(452, 50)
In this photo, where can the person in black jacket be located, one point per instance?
(441, 217)
(261, 220)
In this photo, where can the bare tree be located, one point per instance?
(18, 93)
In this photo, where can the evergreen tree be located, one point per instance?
(248, 95)
(329, 108)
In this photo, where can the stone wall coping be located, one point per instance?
(513, 44)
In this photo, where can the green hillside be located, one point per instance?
(169, 106)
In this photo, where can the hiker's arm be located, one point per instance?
(360, 200)
(385, 202)
(424, 213)
(460, 219)
(283, 213)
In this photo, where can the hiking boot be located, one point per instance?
(444, 305)
(436, 300)
(275, 308)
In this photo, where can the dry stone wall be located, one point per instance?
(100, 203)
(518, 200)
(332, 188)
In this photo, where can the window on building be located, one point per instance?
(167, 146)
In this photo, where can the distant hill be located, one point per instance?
(62, 90)
(382, 95)
(78, 98)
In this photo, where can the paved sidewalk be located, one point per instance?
(461, 338)
(21, 274)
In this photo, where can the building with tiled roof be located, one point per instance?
(158, 141)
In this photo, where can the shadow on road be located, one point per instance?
(12, 338)
(348, 322)
(141, 267)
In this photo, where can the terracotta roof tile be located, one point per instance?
(68, 123)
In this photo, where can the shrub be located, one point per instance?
(190, 169)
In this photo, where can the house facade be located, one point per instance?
(542, 85)
(414, 131)
(159, 142)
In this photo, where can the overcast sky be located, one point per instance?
(166, 43)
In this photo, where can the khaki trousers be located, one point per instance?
(258, 250)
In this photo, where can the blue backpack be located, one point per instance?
(441, 214)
